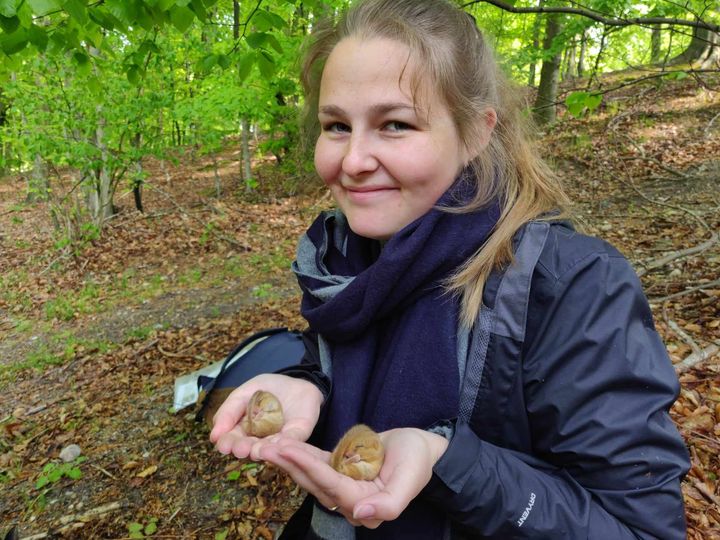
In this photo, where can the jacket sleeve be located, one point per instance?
(309, 368)
(606, 458)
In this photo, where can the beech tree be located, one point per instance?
(90, 89)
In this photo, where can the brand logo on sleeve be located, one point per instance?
(527, 511)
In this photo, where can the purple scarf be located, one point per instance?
(389, 325)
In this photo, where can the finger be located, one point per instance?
(315, 464)
(255, 453)
(379, 507)
(296, 429)
(235, 442)
(322, 455)
(270, 454)
(402, 486)
(229, 413)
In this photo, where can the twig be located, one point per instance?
(57, 259)
(147, 347)
(106, 473)
(657, 263)
(705, 492)
(646, 158)
(182, 352)
(172, 355)
(100, 510)
(175, 513)
(38, 536)
(685, 337)
(686, 291)
(694, 359)
(709, 126)
(204, 224)
(596, 15)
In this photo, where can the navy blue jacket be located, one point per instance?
(570, 437)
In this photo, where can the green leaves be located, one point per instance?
(140, 530)
(54, 472)
(43, 7)
(8, 8)
(9, 24)
(578, 103)
(181, 17)
(77, 11)
(261, 39)
(14, 42)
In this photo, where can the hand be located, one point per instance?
(300, 401)
(410, 455)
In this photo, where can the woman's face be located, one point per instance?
(386, 157)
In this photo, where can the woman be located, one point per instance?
(423, 146)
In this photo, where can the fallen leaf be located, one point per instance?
(152, 469)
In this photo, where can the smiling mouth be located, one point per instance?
(370, 189)
(367, 194)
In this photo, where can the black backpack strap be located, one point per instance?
(508, 316)
(246, 342)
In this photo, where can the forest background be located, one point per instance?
(154, 180)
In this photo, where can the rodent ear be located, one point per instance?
(12, 534)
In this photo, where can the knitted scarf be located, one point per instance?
(388, 329)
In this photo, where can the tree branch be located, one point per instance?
(596, 16)
(700, 287)
(694, 359)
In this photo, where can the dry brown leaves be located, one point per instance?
(621, 168)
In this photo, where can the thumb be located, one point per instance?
(382, 506)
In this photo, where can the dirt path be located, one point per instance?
(182, 308)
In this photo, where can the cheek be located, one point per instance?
(325, 161)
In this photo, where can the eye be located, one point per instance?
(336, 127)
(396, 125)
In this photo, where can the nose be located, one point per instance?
(359, 156)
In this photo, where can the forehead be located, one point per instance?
(357, 66)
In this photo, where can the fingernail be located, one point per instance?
(364, 512)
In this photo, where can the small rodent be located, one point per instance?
(359, 454)
(264, 415)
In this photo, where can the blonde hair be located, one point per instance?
(461, 67)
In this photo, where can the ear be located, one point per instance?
(487, 122)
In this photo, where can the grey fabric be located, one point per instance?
(509, 314)
(331, 526)
(475, 363)
(512, 300)
(309, 257)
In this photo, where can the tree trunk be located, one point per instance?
(99, 194)
(535, 45)
(236, 20)
(570, 62)
(38, 183)
(247, 168)
(704, 49)
(596, 67)
(545, 109)
(138, 179)
(218, 180)
(581, 55)
(656, 44)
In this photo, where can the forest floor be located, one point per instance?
(91, 339)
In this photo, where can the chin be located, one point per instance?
(367, 230)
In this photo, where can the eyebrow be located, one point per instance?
(379, 108)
